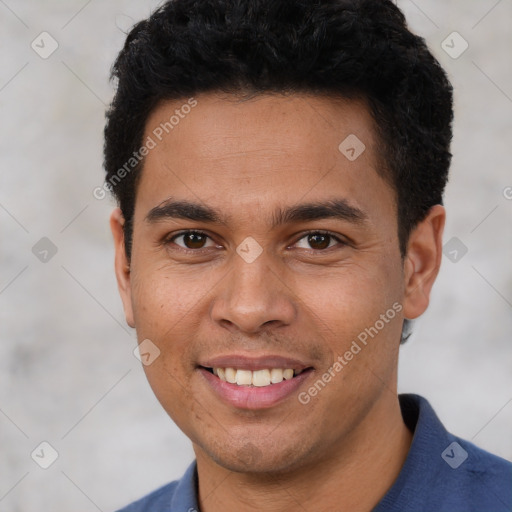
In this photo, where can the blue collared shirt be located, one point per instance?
(442, 473)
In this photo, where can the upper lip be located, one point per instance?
(243, 362)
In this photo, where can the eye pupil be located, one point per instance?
(319, 241)
(194, 240)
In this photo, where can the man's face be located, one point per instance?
(265, 284)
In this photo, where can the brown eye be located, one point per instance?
(318, 241)
(194, 240)
(191, 240)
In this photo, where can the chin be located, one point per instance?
(246, 456)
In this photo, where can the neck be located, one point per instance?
(353, 476)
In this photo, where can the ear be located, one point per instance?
(422, 261)
(122, 265)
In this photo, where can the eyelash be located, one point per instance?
(172, 238)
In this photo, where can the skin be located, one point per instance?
(246, 159)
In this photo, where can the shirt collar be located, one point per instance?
(185, 495)
(422, 465)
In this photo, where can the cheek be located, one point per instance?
(174, 392)
(163, 301)
(357, 315)
(347, 301)
(163, 314)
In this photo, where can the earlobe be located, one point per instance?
(122, 265)
(422, 261)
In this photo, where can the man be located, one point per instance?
(279, 168)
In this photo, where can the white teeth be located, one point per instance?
(258, 378)
(261, 378)
(230, 375)
(288, 374)
(244, 377)
(276, 375)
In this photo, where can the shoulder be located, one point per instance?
(445, 473)
(180, 495)
(157, 500)
(483, 478)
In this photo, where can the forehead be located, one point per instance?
(314, 124)
(261, 151)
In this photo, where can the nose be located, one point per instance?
(252, 297)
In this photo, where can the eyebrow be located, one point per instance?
(339, 209)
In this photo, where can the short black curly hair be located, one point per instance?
(348, 48)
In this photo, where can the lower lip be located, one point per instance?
(253, 397)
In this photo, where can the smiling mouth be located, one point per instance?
(257, 378)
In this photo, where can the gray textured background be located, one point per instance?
(67, 372)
